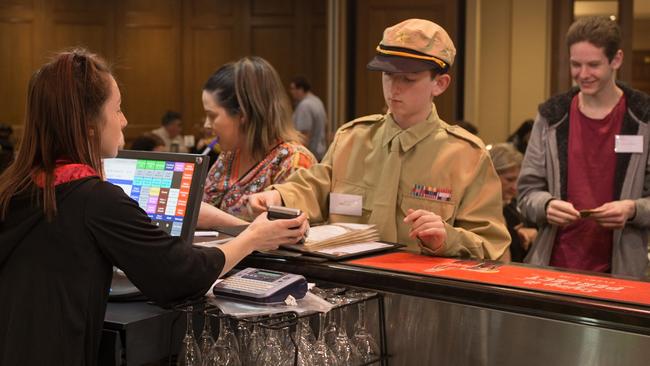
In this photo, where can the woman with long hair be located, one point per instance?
(249, 111)
(62, 227)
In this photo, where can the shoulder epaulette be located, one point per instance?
(367, 119)
(462, 133)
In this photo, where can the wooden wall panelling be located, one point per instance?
(78, 23)
(561, 18)
(316, 48)
(162, 51)
(16, 10)
(274, 36)
(640, 61)
(291, 36)
(244, 19)
(310, 45)
(626, 23)
(372, 17)
(17, 33)
(317, 73)
(210, 8)
(274, 43)
(15, 70)
(42, 41)
(300, 41)
(274, 7)
(210, 39)
(148, 61)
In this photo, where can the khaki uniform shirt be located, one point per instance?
(449, 162)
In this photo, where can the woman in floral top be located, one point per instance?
(249, 111)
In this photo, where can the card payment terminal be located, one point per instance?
(262, 286)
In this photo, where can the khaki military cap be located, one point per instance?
(414, 45)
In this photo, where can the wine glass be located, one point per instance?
(303, 344)
(223, 352)
(306, 333)
(206, 341)
(275, 351)
(229, 336)
(190, 354)
(343, 348)
(244, 337)
(331, 329)
(255, 345)
(362, 339)
(322, 354)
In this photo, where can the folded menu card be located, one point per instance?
(335, 235)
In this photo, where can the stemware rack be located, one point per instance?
(289, 320)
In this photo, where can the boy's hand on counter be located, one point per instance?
(427, 227)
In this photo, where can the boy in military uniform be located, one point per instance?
(422, 182)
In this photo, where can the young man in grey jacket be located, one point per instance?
(585, 179)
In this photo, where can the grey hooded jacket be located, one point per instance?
(544, 176)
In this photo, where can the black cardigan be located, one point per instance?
(55, 276)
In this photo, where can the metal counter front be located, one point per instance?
(439, 321)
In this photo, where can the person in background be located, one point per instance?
(170, 132)
(248, 109)
(421, 181)
(507, 163)
(62, 227)
(585, 176)
(309, 116)
(520, 137)
(206, 143)
(148, 142)
(467, 126)
(6, 146)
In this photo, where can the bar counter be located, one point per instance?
(440, 321)
(432, 321)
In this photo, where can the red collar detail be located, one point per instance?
(66, 173)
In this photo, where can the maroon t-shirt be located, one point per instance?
(590, 183)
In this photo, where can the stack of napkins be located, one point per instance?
(333, 235)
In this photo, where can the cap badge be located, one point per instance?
(401, 37)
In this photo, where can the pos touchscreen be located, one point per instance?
(167, 186)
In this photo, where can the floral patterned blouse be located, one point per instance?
(225, 187)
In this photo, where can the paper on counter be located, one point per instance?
(325, 232)
(206, 233)
(331, 231)
(211, 243)
(353, 248)
(290, 301)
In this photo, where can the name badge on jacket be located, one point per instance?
(346, 204)
(628, 144)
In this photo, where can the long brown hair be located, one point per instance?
(252, 87)
(62, 121)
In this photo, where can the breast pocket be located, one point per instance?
(444, 209)
(366, 194)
